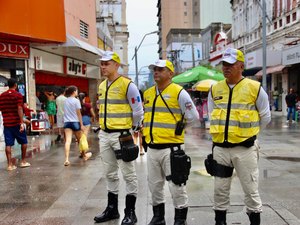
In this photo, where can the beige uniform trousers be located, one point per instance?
(158, 162)
(109, 142)
(245, 162)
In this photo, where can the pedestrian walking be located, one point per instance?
(60, 102)
(238, 109)
(275, 95)
(168, 108)
(291, 100)
(87, 112)
(138, 133)
(50, 107)
(38, 103)
(120, 109)
(73, 122)
(11, 107)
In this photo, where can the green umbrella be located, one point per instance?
(196, 74)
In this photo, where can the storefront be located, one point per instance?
(13, 63)
(52, 72)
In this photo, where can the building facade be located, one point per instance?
(112, 29)
(175, 14)
(282, 30)
(193, 48)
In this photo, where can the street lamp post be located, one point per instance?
(264, 44)
(136, 59)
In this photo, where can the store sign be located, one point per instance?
(38, 62)
(291, 56)
(14, 50)
(251, 60)
(74, 67)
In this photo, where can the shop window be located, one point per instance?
(294, 16)
(275, 25)
(84, 30)
(288, 19)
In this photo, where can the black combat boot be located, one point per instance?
(111, 212)
(180, 216)
(220, 217)
(254, 218)
(158, 215)
(130, 217)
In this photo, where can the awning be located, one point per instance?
(251, 71)
(75, 42)
(73, 48)
(271, 69)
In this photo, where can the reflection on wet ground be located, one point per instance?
(49, 193)
(291, 159)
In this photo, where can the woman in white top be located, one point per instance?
(73, 122)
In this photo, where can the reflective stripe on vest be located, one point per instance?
(159, 124)
(114, 110)
(243, 118)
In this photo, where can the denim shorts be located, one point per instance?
(75, 126)
(12, 133)
(86, 120)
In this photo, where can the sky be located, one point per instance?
(141, 19)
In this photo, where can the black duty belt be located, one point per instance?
(247, 143)
(116, 130)
(163, 146)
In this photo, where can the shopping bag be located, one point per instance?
(83, 143)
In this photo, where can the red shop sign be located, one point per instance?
(14, 50)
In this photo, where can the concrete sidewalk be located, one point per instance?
(49, 193)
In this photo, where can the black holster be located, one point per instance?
(180, 167)
(216, 169)
(129, 151)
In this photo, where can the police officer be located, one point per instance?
(120, 109)
(238, 108)
(166, 104)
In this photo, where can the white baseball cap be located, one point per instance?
(231, 55)
(109, 55)
(162, 63)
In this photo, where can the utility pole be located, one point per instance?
(264, 45)
(136, 60)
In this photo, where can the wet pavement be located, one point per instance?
(50, 193)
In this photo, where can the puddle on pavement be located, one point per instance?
(267, 173)
(284, 158)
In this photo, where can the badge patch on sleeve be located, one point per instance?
(188, 105)
(135, 100)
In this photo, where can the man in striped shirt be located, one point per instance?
(11, 107)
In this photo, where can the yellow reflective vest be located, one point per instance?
(234, 118)
(159, 123)
(115, 112)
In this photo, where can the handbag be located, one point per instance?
(83, 143)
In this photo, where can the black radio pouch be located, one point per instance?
(215, 169)
(129, 151)
(180, 167)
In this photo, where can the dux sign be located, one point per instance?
(74, 67)
(15, 50)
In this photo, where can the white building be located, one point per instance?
(283, 30)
